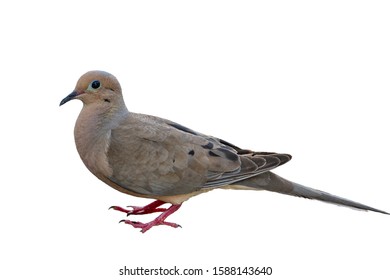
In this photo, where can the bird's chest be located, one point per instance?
(92, 144)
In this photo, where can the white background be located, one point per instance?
(286, 76)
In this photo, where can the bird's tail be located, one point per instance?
(272, 182)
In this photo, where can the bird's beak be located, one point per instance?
(69, 97)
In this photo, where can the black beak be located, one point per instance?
(69, 97)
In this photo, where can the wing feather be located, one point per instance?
(154, 156)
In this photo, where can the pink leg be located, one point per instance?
(150, 208)
(160, 220)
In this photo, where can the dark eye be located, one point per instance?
(95, 84)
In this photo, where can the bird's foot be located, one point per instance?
(160, 220)
(137, 210)
(146, 226)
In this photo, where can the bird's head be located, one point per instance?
(97, 87)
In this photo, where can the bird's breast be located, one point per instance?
(92, 142)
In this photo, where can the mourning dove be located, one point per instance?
(151, 157)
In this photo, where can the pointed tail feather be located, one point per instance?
(272, 182)
(306, 192)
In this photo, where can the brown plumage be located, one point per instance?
(151, 157)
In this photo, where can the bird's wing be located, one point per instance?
(154, 156)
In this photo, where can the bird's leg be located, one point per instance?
(150, 208)
(160, 220)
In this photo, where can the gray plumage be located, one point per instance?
(151, 157)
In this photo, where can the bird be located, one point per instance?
(151, 157)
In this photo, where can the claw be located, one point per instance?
(130, 222)
(121, 209)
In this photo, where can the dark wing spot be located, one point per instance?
(245, 152)
(229, 155)
(211, 153)
(192, 152)
(107, 100)
(209, 146)
(182, 128)
(229, 144)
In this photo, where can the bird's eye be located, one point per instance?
(95, 84)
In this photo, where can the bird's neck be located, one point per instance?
(92, 136)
